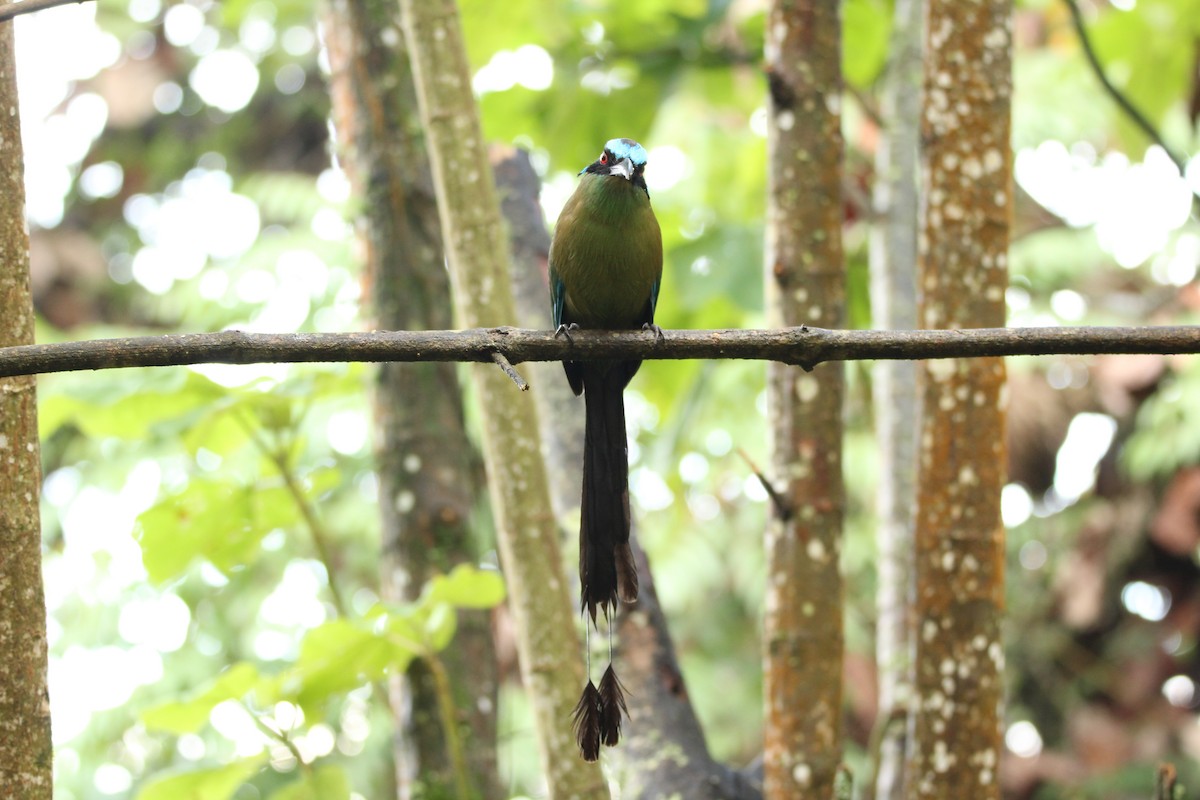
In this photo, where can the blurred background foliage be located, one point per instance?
(210, 532)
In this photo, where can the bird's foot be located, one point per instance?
(565, 330)
(658, 332)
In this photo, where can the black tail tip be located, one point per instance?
(598, 715)
(585, 719)
(612, 707)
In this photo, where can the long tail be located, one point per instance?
(606, 570)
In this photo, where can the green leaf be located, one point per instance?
(467, 587)
(342, 655)
(405, 626)
(213, 519)
(190, 715)
(1152, 78)
(323, 783)
(1166, 437)
(131, 410)
(217, 783)
(133, 417)
(440, 624)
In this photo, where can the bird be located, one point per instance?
(605, 270)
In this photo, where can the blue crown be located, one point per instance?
(627, 148)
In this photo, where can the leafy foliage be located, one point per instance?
(217, 783)
(1167, 437)
(190, 714)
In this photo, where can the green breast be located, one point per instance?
(607, 250)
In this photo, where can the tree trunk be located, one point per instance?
(547, 641)
(805, 285)
(26, 754)
(894, 306)
(425, 462)
(955, 722)
(558, 408)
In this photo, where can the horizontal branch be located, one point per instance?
(29, 6)
(803, 346)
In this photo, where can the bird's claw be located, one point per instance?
(658, 332)
(565, 330)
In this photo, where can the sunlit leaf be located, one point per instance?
(467, 587)
(216, 783)
(191, 714)
(440, 625)
(324, 783)
(1153, 78)
(339, 656)
(220, 521)
(130, 411)
(405, 627)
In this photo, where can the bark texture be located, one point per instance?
(529, 247)
(425, 462)
(955, 722)
(477, 251)
(893, 257)
(803, 638)
(26, 753)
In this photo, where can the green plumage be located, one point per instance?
(605, 270)
(607, 253)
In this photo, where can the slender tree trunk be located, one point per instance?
(547, 641)
(558, 408)
(966, 166)
(805, 285)
(26, 753)
(894, 306)
(425, 461)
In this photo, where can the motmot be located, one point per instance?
(605, 270)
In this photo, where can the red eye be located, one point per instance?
(604, 158)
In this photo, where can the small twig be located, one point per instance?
(510, 371)
(782, 507)
(449, 715)
(1126, 105)
(316, 529)
(278, 735)
(29, 6)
